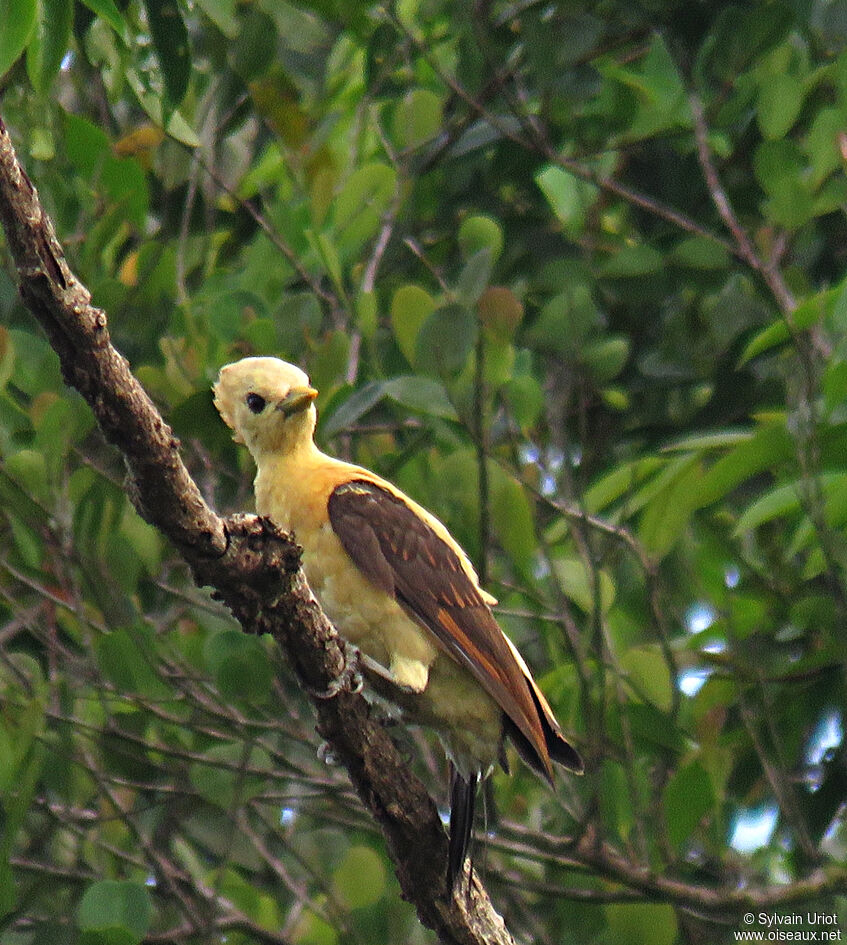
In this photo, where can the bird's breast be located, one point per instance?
(448, 698)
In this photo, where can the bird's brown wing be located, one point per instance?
(402, 555)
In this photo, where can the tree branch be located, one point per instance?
(253, 567)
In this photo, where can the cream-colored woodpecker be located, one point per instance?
(396, 585)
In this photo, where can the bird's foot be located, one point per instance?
(348, 680)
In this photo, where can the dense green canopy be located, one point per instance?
(571, 275)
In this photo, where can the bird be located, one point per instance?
(398, 587)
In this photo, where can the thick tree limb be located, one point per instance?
(253, 567)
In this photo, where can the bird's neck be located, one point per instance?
(285, 481)
(300, 456)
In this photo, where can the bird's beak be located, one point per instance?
(297, 399)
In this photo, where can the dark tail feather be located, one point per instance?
(558, 747)
(462, 800)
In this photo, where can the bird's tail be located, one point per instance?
(462, 803)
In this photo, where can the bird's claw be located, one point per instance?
(348, 680)
(327, 754)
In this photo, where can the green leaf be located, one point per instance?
(806, 315)
(311, 929)
(410, 308)
(366, 314)
(474, 277)
(108, 11)
(667, 474)
(615, 398)
(835, 385)
(423, 394)
(145, 539)
(498, 365)
(642, 924)
(480, 232)
(29, 469)
(647, 671)
(240, 665)
(253, 53)
(835, 515)
(774, 503)
(42, 144)
(700, 252)
(658, 93)
(222, 14)
(688, 797)
(525, 398)
(176, 126)
(49, 42)
(630, 261)
(364, 198)
(780, 168)
(223, 777)
(119, 910)
(328, 253)
(653, 729)
(353, 408)
(715, 440)
(569, 196)
(667, 514)
(781, 97)
(19, 21)
(27, 542)
(128, 661)
(170, 40)
(606, 358)
(417, 118)
(25, 769)
(7, 356)
(261, 907)
(360, 878)
(86, 145)
(748, 614)
(500, 313)
(788, 499)
(578, 583)
(566, 321)
(616, 800)
(512, 517)
(769, 446)
(620, 483)
(445, 340)
(126, 184)
(821, 144)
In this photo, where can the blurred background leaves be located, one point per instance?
(571, 275)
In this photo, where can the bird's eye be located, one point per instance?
(255, 402)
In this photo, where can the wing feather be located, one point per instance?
(402, 554)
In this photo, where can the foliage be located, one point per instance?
(572, 276)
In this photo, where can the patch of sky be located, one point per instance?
(699, 617)
(753, 827)
(691, 681)
(828, 734)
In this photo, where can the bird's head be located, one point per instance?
(268, 403)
